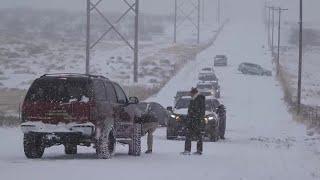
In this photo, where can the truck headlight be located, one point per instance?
(176, 117)
(206, 120)
(210, 118)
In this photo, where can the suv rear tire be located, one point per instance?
(105, 147)
(33, 146)
(70, 148)
(135, 147)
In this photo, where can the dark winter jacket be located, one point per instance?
(196, 112)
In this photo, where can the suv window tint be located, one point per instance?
(120, 94)
(99, 91)
(111, 94)
(63, 90)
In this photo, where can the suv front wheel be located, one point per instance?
(33, 146)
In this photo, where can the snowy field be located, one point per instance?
(263, 142)
(310, 72)
(24, 60)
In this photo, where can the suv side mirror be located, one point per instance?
(133, 100)
(169, 108)
(122, 102)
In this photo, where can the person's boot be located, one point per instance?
(186, 153)
(149, 151)
(197, 153)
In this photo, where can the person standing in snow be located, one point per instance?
(149, 126)
(194, 125)
(150, 140)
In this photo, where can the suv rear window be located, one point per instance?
(205, 86)
(63, 90)
(207, 77)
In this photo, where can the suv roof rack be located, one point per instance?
(73, 74)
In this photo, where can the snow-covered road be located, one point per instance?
(263, 142)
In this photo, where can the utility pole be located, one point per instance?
(131, 7)
(272, 32)
(88, 39)
(219, 12)
(265, 15)
(203, 11)
(300, 58)
(198, 28)
(269, 25)
(279, 34)
(136, 39)
(192, 16)
(175, 21)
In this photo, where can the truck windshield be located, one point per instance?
(211, 104)
(183, 103)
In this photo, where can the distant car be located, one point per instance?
(207, 70)
(210, 87)
(220, 60)
(207, 77)
(214, 121)
(253, 69)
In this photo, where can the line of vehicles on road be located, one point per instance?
(214, 122)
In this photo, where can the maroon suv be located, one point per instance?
(76, 109)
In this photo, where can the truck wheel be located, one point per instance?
(170, 134)
(33, 146)
(105, 146)
(135, 146)
(214, 138)
(70, 148)
(214, 133)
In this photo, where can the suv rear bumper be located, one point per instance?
(86, 129)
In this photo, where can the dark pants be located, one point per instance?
(196, 136)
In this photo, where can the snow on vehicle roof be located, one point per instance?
(185, 97)
(221, 56)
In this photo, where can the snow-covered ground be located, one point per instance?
(263, 142)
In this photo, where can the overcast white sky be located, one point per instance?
(245, 9)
